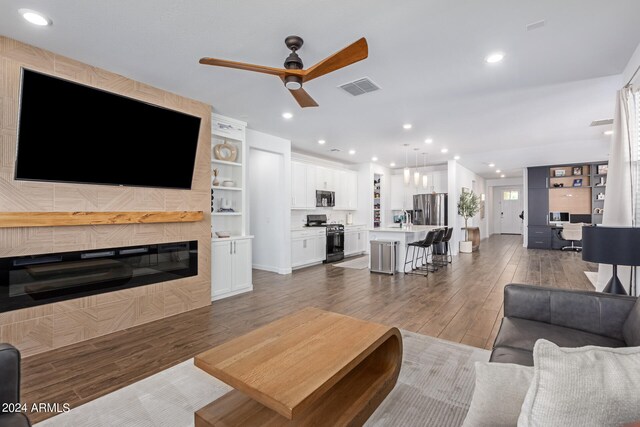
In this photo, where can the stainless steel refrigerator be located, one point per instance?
(430, 209)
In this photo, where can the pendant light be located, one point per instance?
(416, 174)
(425, 181)
(407, 172)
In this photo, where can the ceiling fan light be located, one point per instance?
(293, 82)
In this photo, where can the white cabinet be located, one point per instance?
(303, 183)
(346, 189)
(355, 239)
(352, 191)
(230, 267)
(308, 247)
(326, 178)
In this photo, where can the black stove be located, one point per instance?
(335, 236)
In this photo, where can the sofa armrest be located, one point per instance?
(9, 374)
(594, 312)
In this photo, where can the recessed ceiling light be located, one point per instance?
(393, 165)
(374, 159)
(494, 57)
(608, 132)
(492, 165)
(502, 176)
(498, 171)
(320, 141)
(407, 126)
(456, 157)
(444, 150)
(287, 115)
(352, 152)
(428, 141)
(34, 17)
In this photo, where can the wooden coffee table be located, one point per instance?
(313, 367)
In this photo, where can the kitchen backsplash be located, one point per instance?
(299, 217)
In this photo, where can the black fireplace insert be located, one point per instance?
(28, 281)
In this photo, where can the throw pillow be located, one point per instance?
(584, 386)
(499, 393)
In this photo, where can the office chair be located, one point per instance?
(571, 233)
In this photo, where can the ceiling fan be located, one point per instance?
(293, 75)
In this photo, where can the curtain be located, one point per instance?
(622, 179)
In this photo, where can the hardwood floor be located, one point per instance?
(461, 303)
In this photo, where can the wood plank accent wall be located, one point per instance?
(51, 219)
(38, 329)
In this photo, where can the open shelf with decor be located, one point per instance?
(230, 244)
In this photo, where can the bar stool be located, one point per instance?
(440, 233)
(415, 255)
(448, 258)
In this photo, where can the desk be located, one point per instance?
(546, 237)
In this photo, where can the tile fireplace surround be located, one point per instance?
(37, 329)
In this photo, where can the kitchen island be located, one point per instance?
(403, 236)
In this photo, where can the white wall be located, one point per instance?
(459, 177)
(631, 68)
(275, 223)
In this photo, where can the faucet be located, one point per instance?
(407, 215)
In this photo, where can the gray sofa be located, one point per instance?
(565, 317)
(10, 386)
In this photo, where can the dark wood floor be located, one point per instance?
(461, 303)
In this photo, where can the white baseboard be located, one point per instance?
(232, 293)
(272, 269)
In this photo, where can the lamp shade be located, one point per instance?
(611, 245)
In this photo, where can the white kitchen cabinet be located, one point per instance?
(342, 197)
(230, 267)
(308, 247)
(355, 239)
(326, 178)
(303, 183)
(298, 185)
(352, 191)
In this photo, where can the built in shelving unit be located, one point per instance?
(377, 200)
(232, 132)
(230, 256)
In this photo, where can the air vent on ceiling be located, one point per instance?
(602, 122)
(335, 150)
(360, 86)
(535, 25)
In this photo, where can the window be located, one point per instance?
(510, 195)
(635, 134)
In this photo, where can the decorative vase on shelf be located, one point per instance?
(215, 178)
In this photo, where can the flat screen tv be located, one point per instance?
(69, 132)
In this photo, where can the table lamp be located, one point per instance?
(612, 245)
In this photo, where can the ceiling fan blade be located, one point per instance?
(280, 72)
(303, 98)
(353, 53)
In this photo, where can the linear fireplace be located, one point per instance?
(28, 281)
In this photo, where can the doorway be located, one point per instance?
(507, 209)
(266, 202)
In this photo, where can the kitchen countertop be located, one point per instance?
(412, 229)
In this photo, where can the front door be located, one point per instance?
(510, 208)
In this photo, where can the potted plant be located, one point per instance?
(468, 207)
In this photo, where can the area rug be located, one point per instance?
(357, 264)
(434, 389)
(593, 277)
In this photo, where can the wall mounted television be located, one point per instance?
(70, 132)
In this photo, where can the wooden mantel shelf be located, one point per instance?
(57, 219)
